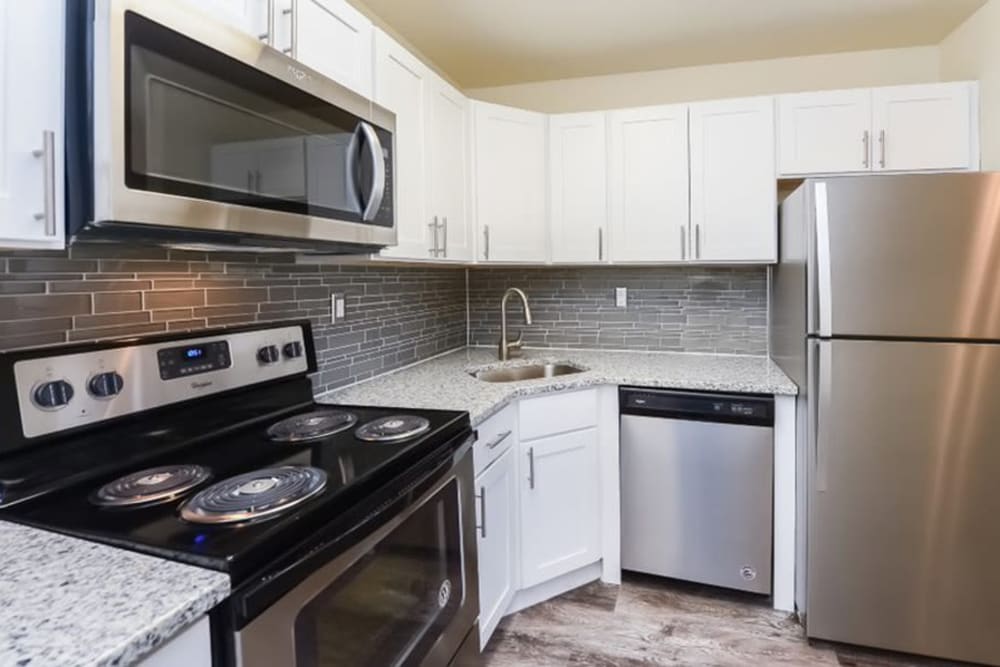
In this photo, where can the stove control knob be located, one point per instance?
(53, 395)
(293, 350)
(105, 385)
(268, 354)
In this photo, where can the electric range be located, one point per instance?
(208, 448)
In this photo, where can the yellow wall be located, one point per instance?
(758, 77)
(972, 51)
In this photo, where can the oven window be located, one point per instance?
(394, 602)
(203, 125)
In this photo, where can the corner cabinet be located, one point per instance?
(578, 187)
(510, 184)
(733, 195)
(31, 124)
(559, 485)
(649, 184)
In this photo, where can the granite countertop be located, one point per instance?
(74, 603)
(444, 382)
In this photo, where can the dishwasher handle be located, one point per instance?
(725, 408)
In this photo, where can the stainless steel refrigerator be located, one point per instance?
(886, 312)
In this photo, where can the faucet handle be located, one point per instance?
(517, 343)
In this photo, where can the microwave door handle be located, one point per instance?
(374, 148)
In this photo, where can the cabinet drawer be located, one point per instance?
(557, 413)
(496, 435)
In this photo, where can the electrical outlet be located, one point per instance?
(621, 297)
(339, 308)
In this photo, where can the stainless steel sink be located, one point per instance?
(527, 372)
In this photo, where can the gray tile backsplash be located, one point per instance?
(395, 316)
(686, 309)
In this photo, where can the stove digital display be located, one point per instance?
(188, 360)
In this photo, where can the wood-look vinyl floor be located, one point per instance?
(650, 621)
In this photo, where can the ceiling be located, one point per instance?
(497, 42)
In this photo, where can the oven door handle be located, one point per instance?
(373, 146)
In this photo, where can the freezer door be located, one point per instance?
(913, 256)
(904, 506)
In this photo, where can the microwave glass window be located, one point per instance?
(394, 602)
(201, 124)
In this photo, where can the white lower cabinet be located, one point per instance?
(496, 515)
(191, 648)
(560, 505)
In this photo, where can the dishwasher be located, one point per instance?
(696, 486)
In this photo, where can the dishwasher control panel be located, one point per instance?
(751, 409)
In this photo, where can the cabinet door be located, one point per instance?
(578, 187)
(825, 133)
(649, 184)
(31, 124)
(401, 85)
(495, 518)
(448, 169)
(334, 38)
(733, 193)
(510, 157)
(560, 505)
(250, 16)
(925, 127)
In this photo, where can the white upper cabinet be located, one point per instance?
(402, 85)
(929, 127)
(496, 503)
(578, 188)
(926, 127)
(825, 133)
(250, 16)
(649, 184)
(31, 124)
(447, 141)
(733, 193)
(333, 38)
(510, 183)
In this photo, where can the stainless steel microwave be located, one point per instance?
(185, 131)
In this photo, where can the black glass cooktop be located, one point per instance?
(354, 470)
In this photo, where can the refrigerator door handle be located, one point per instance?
(823, 371)
(824, 279)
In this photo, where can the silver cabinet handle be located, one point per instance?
(48, 154)
(866, 143)
(268, 35)
(697, 241)
(444, 237)
(486, 241)
(600, 244)
(881, 143)
(683, 244)
(434, 234)
(482, 511)
(531, 467)
(291, 12)
(374, 147)
(495, 442)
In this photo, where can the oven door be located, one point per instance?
(406, 595)
(206, 128)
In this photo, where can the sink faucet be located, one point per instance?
(506, 347)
